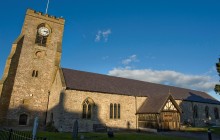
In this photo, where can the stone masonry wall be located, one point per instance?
(55, 104)
(71, 109)
(187, 115)
(8, 78)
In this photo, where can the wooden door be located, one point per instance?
(170, 120)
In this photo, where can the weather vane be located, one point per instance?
(47, 5)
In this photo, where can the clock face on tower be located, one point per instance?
(44, 31)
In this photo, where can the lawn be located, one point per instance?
(215, 130)
(103, 136)
(125, 136)
(120, 135)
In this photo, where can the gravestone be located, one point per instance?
(35, 128)
(75, 130)
(110, 133)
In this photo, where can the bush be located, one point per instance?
(51, 128)
(187, 123)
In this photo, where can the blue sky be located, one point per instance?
(174, 42)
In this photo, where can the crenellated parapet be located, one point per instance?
(45, 16)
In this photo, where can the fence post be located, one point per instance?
(10, 134)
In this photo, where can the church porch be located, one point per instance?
(160, 121)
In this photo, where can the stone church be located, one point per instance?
(34, 85)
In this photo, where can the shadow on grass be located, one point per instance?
(104, 136)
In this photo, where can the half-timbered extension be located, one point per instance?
(159, 113)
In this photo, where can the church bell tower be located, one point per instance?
(30, 70)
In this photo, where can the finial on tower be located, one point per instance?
(48, 1)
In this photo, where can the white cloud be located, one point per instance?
(98, 36)
(102, 35)
(132, 58)
(105, 34)
(197, 82)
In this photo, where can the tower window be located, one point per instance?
(43, 32)
(23, 119)
(35, 73)
(41, 40)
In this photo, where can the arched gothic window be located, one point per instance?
(23, 119)
(195, 111)
(216, 113)
(87, 108)
(207, 112)
(43, 32)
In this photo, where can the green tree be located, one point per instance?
(217, 86)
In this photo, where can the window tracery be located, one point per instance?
(87, 108)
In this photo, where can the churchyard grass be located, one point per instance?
(103, 136)
(215, 130)
(194, 129)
